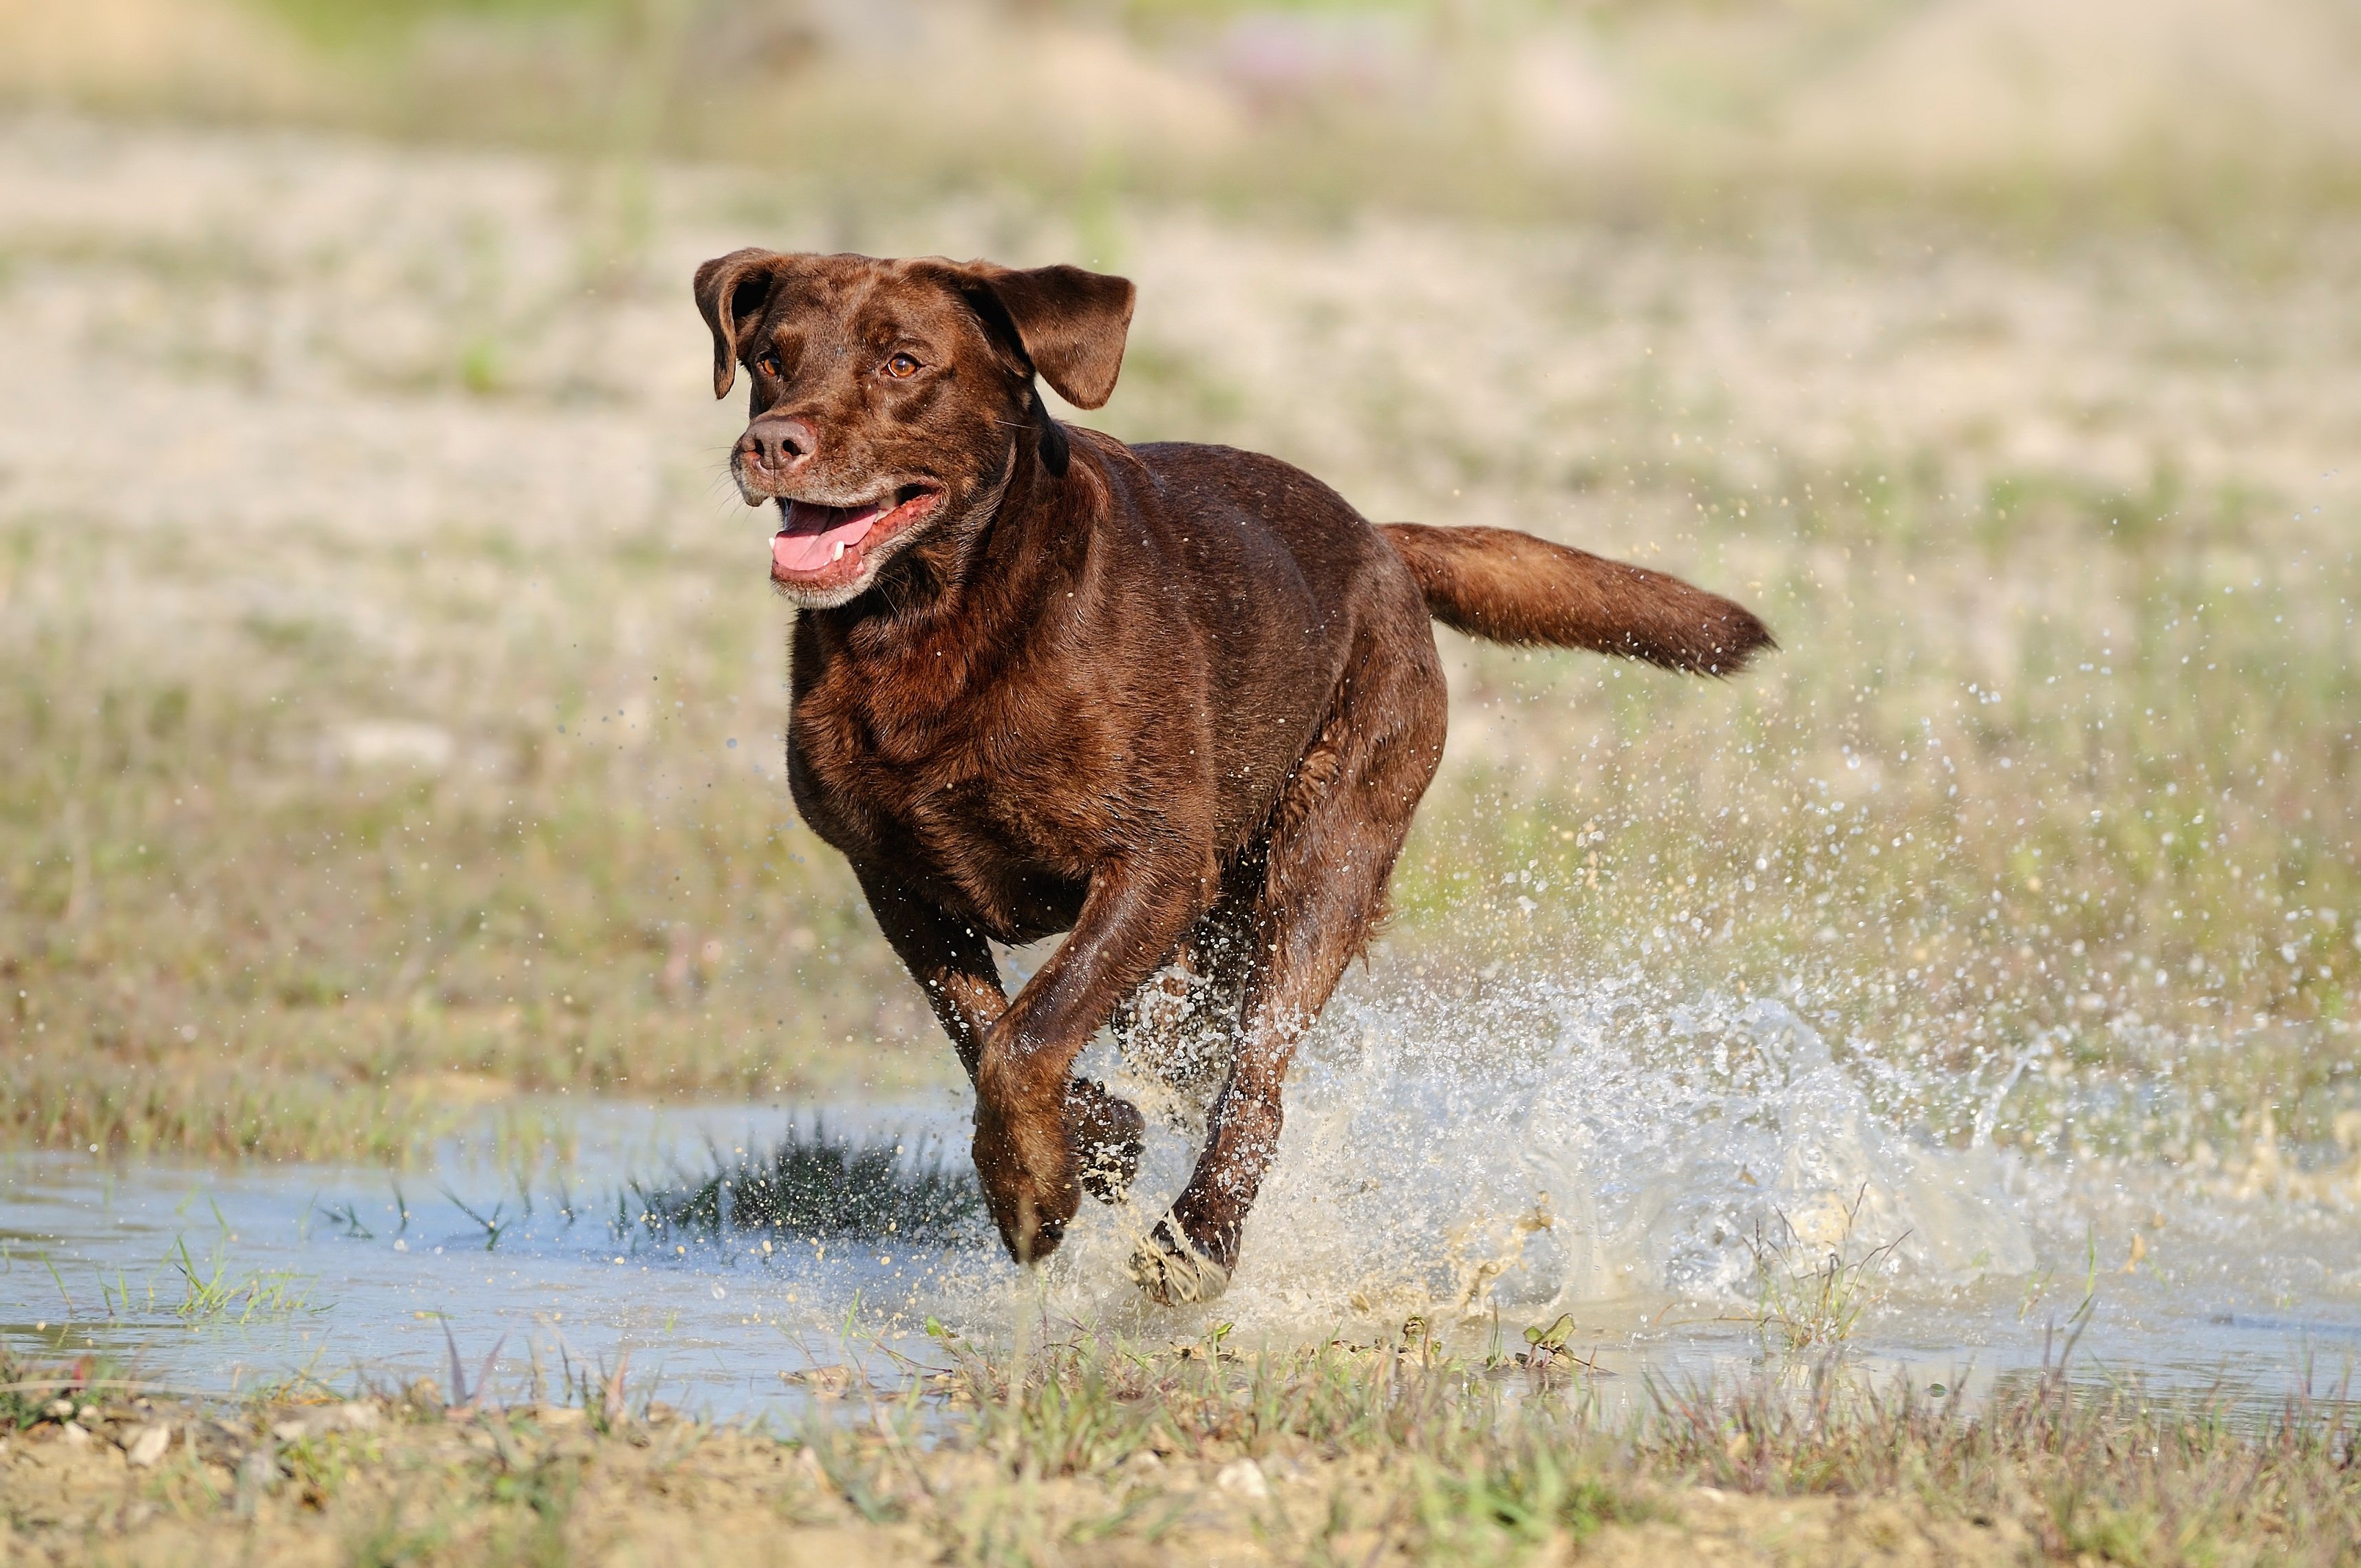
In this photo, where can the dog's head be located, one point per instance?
(890, 397)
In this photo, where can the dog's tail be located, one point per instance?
(1513, 587)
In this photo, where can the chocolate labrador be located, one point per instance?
(1179, 701)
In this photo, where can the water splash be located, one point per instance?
(1550, 1143)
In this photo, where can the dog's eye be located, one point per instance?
(901, 368)
(768, 364)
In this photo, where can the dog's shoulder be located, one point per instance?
(1199, 480)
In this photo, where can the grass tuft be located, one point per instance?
(214, 1292)
(1810, 1294)
(812, 1184)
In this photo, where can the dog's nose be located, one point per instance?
(778, 444)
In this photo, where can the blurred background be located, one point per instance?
(1315, 108)
(391, 691)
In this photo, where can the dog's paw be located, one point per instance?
(1024, 1164)
(1108, 1134)
(1170, 1272)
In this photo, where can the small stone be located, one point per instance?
(259, 1471)
(76, 1436)
(147, 1445)
(1245, 1479)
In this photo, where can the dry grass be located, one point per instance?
(1096, 1452)
(374, 747)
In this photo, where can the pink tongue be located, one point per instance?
(808, 542)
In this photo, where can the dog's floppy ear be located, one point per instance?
(732, 291)
(1071, 323)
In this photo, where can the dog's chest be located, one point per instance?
(982, 813)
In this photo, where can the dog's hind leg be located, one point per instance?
(1334, 838)
(1176, 1031)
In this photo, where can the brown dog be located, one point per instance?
(1178, 700)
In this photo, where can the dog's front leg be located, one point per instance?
(953, 965)
(949, 959)
(1132, 920)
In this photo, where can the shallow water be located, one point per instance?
(1485, 1166)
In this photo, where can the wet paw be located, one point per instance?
(1026, 1167)
(1107, 1135)
(1172, 1273)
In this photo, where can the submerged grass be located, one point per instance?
(1093, 1450)
(216, 1292)
(811, 1185)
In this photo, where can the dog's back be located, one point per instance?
(1493, 583)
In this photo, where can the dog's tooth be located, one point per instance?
(836, 554)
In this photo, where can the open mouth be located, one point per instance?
(823, 546)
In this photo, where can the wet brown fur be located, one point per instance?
(1178, 700)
